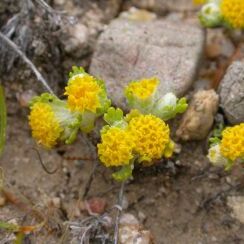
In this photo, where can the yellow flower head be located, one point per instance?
(116, 147)
(232, 143)
(151, 136)
(45, 127)
(233, 12)
(83, 93)
(142, 89)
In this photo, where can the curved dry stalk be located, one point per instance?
(43, 165)
(27, 61)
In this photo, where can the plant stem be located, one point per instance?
(3, 120)
(27, 61)
(120, 199)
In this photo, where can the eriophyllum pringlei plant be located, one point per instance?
(228, 149)
(53, 120)
(142, 136)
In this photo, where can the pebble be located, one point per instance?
(56, 201)
(2, 200)
(25, 97)
(142, 217)
(236, 203)
(231, 92)
(197, 121)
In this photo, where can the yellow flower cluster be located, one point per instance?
(116, 147)
(233, 12)
(151, 136)
(83, 93)
(45, 127)
(232, 143)
(143, 89)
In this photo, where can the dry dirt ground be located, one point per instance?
(179, 201)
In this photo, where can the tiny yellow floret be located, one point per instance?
(45, 127)
(83, 93)
(232, 143)
(233, 12)
(116, 147)
(151, 136)
(143, 89)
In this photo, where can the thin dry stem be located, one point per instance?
(27, 61)
(119, 210)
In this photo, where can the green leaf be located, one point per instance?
(3, 120)
(113, 115)
(9, 227)
(19, 238)
(217, 135)
(214, 141)
(124, 173)
(76, 71)
(217, 132)
(167, 109)
(45, 98)
(229, 165)
(181, 105)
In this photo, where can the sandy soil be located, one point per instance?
(170, 199)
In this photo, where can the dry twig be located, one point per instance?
(27, 61)
(119, 210)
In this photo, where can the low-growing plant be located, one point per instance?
(228, 13)
(227, 149)
(141, 136)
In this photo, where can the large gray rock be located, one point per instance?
(131, 50)
(232, 93)
(162, 6)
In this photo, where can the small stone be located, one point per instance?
(199, 190)
(128, 218)
(214, 238)
(236, 203)
(163, 6)
(199, 117)
(178, 162)
(56, 201)
(39, 47)
(213, 176)
(177, 148)
(130, 50)
(218, 44)
(25, 97)
(59, 2)
(149, 201)
(131, 232)
(2, 201)
(96, 205)
(228, 180)
(142, 217)
(163, 190)
(138, 14)
(197, 163)
(76, 40)
(232, 93)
